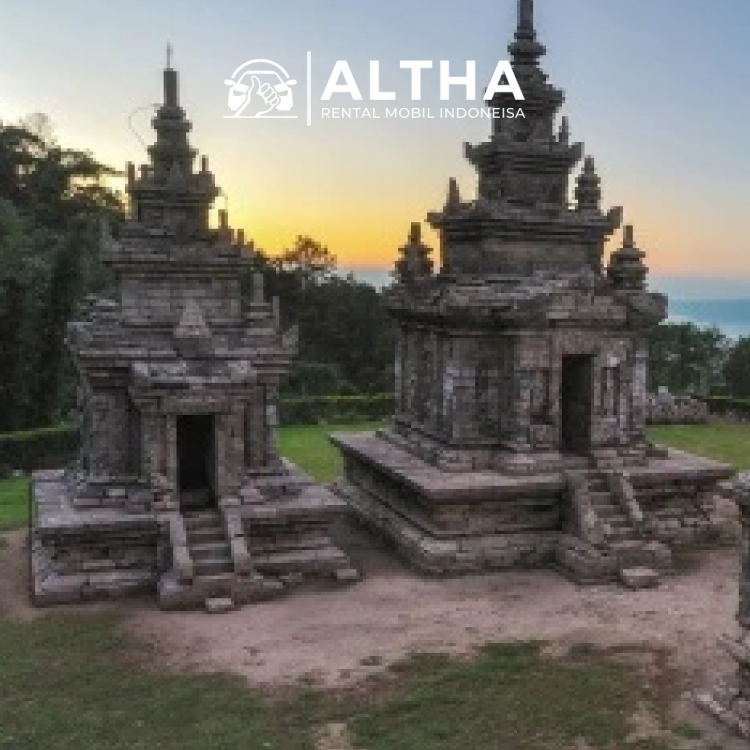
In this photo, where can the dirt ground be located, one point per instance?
(336, 637)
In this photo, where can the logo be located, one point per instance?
(258, 90)
(262, 89)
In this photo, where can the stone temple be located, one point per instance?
(518, 437)
(180, 487)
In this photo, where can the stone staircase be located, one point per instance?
(208, 545)
(609, 539)
(616, 526)
(210, 569)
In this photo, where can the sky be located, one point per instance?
(656, 89)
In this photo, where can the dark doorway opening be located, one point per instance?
(195, 461)
(576, 402)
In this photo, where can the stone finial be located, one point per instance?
(453, 201)
(564, 134)
(526, 14)
(525, 49)
(241, 237)
(223, 222)
(628, 236)
(626, 267)
(171, 87)
(588, 189)
(415, 262)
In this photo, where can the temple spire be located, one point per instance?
(171, 82)
(526, 15)
(525, 49)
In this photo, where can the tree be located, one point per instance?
(737, 369)
(309, 259)
(51, 203)
(344, 328)
(686, 358)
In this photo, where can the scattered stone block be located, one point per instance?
(219, 605)
(640, 578)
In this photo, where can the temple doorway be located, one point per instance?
(196, 462)
(576, 403)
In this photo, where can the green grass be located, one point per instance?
(77, 683)
(14, 503)
(311, 450)
(71, 684)
(507, 697)
(729, 443)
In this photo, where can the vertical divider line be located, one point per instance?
(309, 89)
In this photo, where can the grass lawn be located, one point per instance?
(729, 443)
(14, 503)
(76, 683)
(311, 450)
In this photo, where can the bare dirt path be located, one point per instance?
(339, 636)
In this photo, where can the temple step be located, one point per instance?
(212, 567)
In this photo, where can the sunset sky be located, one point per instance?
(657, 90)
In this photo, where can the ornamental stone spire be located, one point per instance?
(588, 189)
(626, 267)
(169, 195)
(415, 262)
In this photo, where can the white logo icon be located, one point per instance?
(257, 90)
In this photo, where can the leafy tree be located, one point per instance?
(686, 358)
(51, 202)
(309, 259)
(737, 369)
(343, 323)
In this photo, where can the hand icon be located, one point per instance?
(265, 91)
(255, 100)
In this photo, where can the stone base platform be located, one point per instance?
(88, 544)
(453, 522)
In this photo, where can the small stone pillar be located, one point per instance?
(742, 488)
(729, 701)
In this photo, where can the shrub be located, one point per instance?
(727, 406)
(335, 409)
(39, 449)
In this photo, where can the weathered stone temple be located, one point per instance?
(521, 368)
(180, 486)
